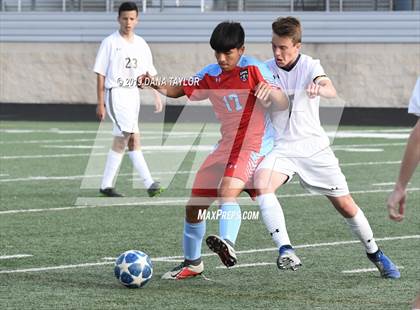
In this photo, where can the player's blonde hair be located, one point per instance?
(288, 27)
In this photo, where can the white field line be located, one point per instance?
(138, 203)
(109, 138)
(365, 270)
(15, 256)
(71, 131)
(76, 147)
(362, 134)
(100, 202)
(77, 177)
(338, 146)
(383, 184)
(335, 147)
(371, 163)
(386, 184)
(170, 258)
(168, 148)
(145, 149)
(246, 265)
(45, 156)
(55, 267)
(149, 148)
(158, 132)
(360, 150)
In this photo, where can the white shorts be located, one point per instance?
(123, 107)
(319, 173)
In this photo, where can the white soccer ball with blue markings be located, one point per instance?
(133, 268)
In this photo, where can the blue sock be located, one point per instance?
(193, 236)
(230, 221)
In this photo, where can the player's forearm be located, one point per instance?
(278, 98)
(411, 158)
(100, 88)
(169, 90)
(327, 89)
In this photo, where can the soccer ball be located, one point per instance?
(133, 269)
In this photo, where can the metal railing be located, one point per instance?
(212, 5)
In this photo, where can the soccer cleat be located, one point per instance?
(222, 248)
(287, 258)
(155, 189)
(110, 192)
(384, 264)
(184, 271)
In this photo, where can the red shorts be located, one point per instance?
(217, 165)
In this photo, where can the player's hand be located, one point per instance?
(262, 92)
(144, 80)
(396, 204)
(313, 90)
(100, 111)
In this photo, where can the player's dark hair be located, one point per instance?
(226, 36)
(128, 6)
(288, 27)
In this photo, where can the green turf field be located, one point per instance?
(51, 212)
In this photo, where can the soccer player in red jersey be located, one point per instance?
(239, 88)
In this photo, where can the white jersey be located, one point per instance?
(300, 125)
(414, 105)
(121, 61)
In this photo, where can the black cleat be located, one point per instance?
(110, 192)
(222, 248)
(155, 189)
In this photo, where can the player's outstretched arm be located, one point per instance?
(168, 90)
(266, 95)
(321, 87)
(100, 88)
(158, 102)
(396, 201)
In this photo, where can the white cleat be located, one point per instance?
(184, 271)
(288, 259)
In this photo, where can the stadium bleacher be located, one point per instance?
(211, 5)
(334, 27)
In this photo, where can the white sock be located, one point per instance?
(273, 218)
(359, 225)
(113, 162)
(141, 166)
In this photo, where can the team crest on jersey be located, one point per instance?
(243, 75)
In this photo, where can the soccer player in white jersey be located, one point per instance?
(302, 148)
(397, 199)
(122, 57)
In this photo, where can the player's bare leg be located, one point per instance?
(416, 304)
(359, 225)
(266, 182)
(139, 163)
(194, 230)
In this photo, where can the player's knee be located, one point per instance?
(133, 142)
(226, 192)
(119, 145)
(345, 205)
(262, 184)
(132, 145)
